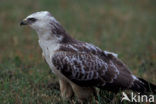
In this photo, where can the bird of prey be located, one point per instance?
(80, 66)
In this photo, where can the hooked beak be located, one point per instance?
(24, 22)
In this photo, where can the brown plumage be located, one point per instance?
(90, 66)
(80, 66)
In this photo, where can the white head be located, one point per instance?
(39, 20)
(47, 26)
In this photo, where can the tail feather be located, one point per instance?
(143, 86)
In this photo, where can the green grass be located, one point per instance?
(127, 27)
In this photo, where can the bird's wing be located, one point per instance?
(85, 69)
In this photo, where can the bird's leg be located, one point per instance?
(66, 89)
(83, 93)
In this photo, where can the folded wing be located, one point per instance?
(85, 69)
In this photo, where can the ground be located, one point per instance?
(126, 27)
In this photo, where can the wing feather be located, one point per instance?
(113, 74)
(85, 68)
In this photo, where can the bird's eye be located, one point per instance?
(32, 19)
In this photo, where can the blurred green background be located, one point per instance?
(127, 27)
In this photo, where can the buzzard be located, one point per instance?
(80, 66)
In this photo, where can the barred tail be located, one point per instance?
(143, 86)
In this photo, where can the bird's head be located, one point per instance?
(46, 26)
(39, 20)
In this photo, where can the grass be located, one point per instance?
(126, 27)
